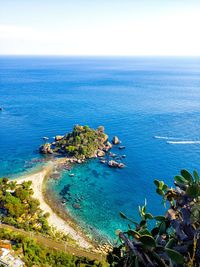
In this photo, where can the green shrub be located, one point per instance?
(175, 238)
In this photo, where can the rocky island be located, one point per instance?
(82, 143)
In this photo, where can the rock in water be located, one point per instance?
(121, 165)
(115, 164)
(58, 137)
(115, 140)
(46, 149)
(100, 153)
(112, 163)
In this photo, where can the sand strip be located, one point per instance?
(54, 220)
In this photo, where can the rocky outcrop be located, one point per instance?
(115, 164)
(115, 140)
(58, 137)
(107, 146)
(100, 153)
(46, 149)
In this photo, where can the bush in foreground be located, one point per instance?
(175, 238)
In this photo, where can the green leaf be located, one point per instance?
(161, 183)
(149, 216)
(187, 175)
(160, 218)
(122, 215)
(143, 210)
(170, 243)
(143, 223)
(154, 231)
(175, 256)
(193, 191)
(195, 213)
(148, 241)
(129, 226)
(134, 234)
(165, 187)
(180, 179)
(144, 232)
(196, 176)
(156, 182)
(160, 192)
(162, 228)
(158, 259)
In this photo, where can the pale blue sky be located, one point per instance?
(126, 27)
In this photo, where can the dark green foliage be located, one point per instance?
(82, 142)
(175, 238)
(17, 207)
(37, 255)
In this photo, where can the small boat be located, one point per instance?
(122, 147)
(123, 156)
(71, 174)
(45, 138)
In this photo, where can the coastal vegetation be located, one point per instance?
(37, 255)
(19, 208)
(174, 240)
(82, 143)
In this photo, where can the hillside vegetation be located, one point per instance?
(19, 208)
(37, 255)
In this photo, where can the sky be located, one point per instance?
(99, 27)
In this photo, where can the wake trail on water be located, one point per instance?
(165, 137)
(177, 141)
(189, 142)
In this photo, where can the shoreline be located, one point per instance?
(38, 179)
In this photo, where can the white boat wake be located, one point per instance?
(165, 137)
(177, 141)
(189, 142)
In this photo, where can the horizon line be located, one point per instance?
(96, 55)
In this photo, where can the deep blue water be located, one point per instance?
(134, 98)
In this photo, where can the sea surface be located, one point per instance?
(151, 104)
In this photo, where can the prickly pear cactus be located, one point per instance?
(174, 240)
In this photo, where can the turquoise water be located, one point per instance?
(134, 98)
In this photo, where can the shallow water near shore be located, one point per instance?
(152, 104)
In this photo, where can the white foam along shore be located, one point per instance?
(37, 179)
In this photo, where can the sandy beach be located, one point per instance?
(54, 220)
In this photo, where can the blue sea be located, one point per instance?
(151, 104)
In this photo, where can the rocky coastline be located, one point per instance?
(84, 143)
